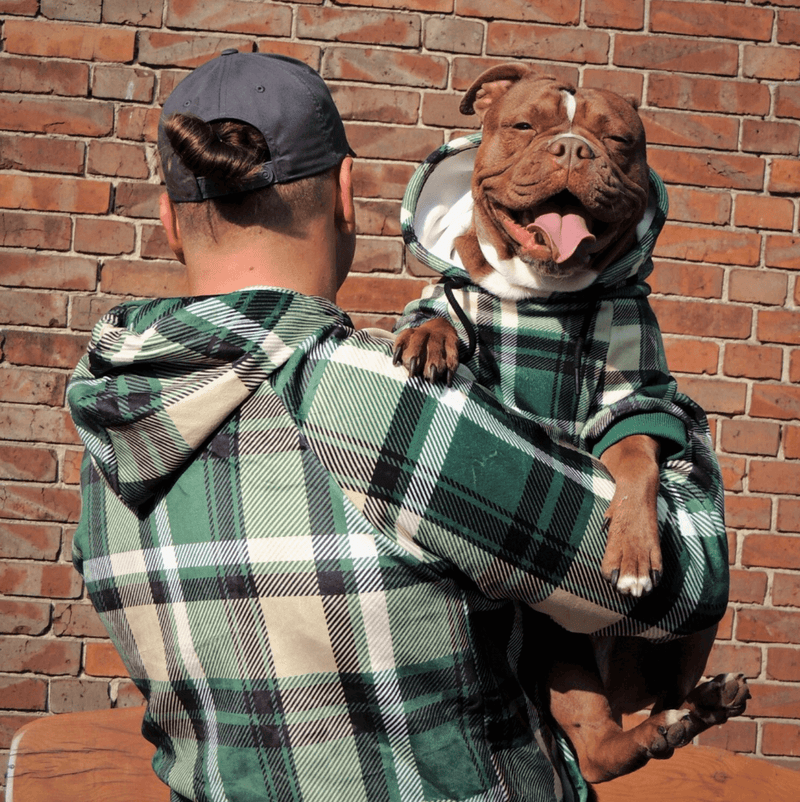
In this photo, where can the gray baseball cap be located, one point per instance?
(283, 98)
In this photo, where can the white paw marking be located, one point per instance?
(674, 716)
(634, 585)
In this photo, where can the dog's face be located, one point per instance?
(560, 178)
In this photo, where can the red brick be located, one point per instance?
(362, 27)
(54, 194)
(699, 19)
(29, 8)
(713, 395)
(144, 279)
(43, 579)
(378, 217)
(373, 104)
(763, 136)
(702, 318)
(758, 287)
(125, 694)
(78, 620)
(23, 693)
(690, 130)
(24, 230)
(624, 14)
(466, 70)
(71, 467)
(70, 117)
(775, 401)
(783, 664)
(788, 515)
(782, 251)
(775, 477)
(726, 171)
(27, 464)
(137, 123)
(167, 49)
(29, 541)
(65, 40)
(699, 206)
(707, 94)
(308, 54)
(748, 586)
(691, 356)
(794, 366)
(55, 349)
(785, 177)
(734, 736)
(36, 424)
(371, 294)
(23, 308)
(83, 11)
(10, 723)
(748, 512)
(155, 246)
(102, 660)
(85, 311)
(47, 503)
(789, 27)
(39, 270)
(551, 43)
(104, 236)
(771, 63)
(787, 101)
(442, 110)
(649, 52)
(627, 84)
(146, 13)
(445, 6)
(751, 437)
(380, 255)
(779, 326)
(760, 211)
(231, 16)
(117, 159)
(780, 739)
(791, 442)
(123, 83)
(773, 700)
(393, 142)
(753, 361)
(23, 617)
(39, 655)
(768, 626)
(726, 657)
(74, 695)
(30, 386)
(137, 200)
(41, 155)
(385, 67)
(697, 244)
(454, 35)
(677, 278)
(383, 180)
(786, 590)
(561, 12)
(725, 628)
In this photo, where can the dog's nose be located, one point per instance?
(568, 148)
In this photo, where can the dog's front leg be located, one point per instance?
(632, 561)
(429, 350)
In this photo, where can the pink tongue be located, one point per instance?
(564, 233)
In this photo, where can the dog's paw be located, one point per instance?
(429, 350)
(719, 699)
(671, 730)
(631, 564)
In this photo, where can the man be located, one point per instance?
(315, 568)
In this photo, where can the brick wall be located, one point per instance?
(80, 86)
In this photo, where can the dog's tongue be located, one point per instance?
(564, 232)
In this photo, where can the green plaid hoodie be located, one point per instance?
(320, 573)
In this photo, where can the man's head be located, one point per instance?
(248, 142)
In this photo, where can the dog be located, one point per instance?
(559, 188)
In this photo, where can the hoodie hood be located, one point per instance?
(437, 208)
(161, 376)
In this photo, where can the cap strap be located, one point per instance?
(213, 188)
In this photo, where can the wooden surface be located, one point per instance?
(704, 774)
(99, 756)
(102, 757)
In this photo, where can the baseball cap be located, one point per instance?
(285, 99)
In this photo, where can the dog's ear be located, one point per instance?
(491, 85)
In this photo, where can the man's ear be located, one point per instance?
(345, 219)
(169, 219)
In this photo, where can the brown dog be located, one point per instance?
(559, 186)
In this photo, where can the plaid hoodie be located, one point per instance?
(317, 570)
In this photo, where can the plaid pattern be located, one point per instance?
(314, 568)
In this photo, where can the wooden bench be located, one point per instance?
(101, 756)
